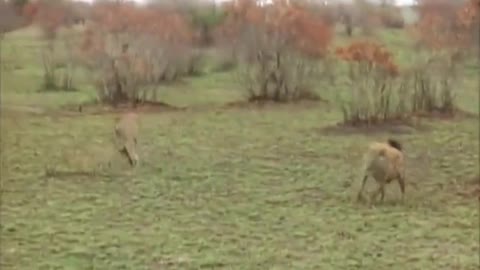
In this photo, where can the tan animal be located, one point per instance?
(384, 162)
(126, 134)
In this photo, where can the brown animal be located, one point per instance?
(384, 161)
(126, 134)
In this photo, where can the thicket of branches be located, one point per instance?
(280, 52)
(280, 47)
(374, 95)
(380, 91)
(57, 54)
(133, 49)
(447, 33)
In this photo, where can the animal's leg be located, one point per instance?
(401, 183)
(382, 193)
(132, 154)
(359, 196)
(124, 152)
(380, 190)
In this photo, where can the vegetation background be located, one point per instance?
(254, 121)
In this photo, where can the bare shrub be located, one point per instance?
(226, 58)
(277, 72)
(434, 81)
(132, 50)
(447, 33)
(275, 44)
(447, 24)
(51, 16)
(69, 40)
(378, 93)
(375, 95)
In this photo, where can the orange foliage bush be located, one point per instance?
(278, 41)
(310, 34)
(128, 17)
(449, 30)
(304, 30)
(375, 95)
(370, 53)
(50, 16)
(444, 24)
(157, 23)
(134, 48)
(469, 13)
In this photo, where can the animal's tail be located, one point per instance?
(395, 144)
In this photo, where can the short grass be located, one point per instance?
(225, 188)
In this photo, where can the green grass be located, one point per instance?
(226, 188)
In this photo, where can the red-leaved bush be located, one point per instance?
(373, 95)
(279, 44)
(448, 30)
(132, 49)
(51, 16)
(446, 24)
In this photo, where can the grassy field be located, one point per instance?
(225, 188)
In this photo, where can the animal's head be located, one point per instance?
(395, 144)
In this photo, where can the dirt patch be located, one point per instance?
(89, 109)
(6, 108)
(268, 104)
(395, 127)
(398, 126)
(458, 114)
(96, 108)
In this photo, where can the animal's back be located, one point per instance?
(126, 130)
(386, 150)
(126, 127)
(384, 156)
(384, 162)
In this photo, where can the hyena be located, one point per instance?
(126, 135)
(384, 162)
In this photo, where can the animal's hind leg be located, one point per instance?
(124, 152)
(382, 193)
(131, 154)
(380, 190)
(359, 196)
(401, 183)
